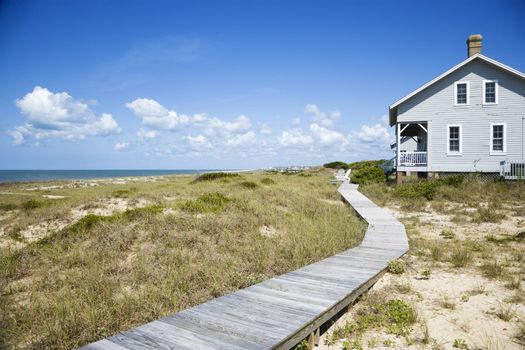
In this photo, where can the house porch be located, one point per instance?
(411, 149)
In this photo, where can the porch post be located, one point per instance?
(398, 141)
(399, 175)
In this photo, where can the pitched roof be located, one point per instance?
(393, 108)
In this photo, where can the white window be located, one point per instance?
(498, 138)
(461, 93)
(490, 92)
(454, 141)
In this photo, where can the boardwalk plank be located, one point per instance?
(103, 344)
(236, 340)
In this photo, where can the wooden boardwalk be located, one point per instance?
(280, 312)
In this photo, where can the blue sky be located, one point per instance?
(224, 84)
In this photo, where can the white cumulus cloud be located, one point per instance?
(322, 118)
(293, 138)
(373, 133)
(265, 129)
(146, 134)
(327, 136)
(120, 146)
(59, 115)
(157, 117)
(16, 135)
(242, 139)
(241, 123)
(154, 115)
(198, 142)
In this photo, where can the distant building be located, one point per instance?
(288, 169)
(469, 119)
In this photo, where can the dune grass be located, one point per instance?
(191, 242)
(484, 195)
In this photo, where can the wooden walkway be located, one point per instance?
(280, 312)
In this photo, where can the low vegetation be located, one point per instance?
(482, 195)
(397, 266)
(336, 165)
(215, 176)
(394, 316)
(103, 257)
(367, 175)
(206, 203)
(267, 181)
(365, 164)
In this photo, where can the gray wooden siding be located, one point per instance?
(436, 105)
(408, 144)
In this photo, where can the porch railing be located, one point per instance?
(513, 169)
(412, 158)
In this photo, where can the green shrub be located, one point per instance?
(120, 193)
(460, 256)
(250, 185)
(303, 345)
(437, 251)
(395, 315)
(367, 175)
(336, 165)
(16, 235)
(8, 206)
(397, 266)
(207, 203)
(136, 213)
(455, 180)
(215, 176)
(492, 269)
(488, 214)
(426, 273)
(32, 204)
(401, 315)
(365, 164)
(460, 344)
(89, 221)
(447, 234)
(267, 181)
(419, 189)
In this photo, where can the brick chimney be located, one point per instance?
(474, 44)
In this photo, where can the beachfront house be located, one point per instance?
(469, 119)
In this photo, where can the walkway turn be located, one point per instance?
(278, 313)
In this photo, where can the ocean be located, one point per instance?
(47, 175)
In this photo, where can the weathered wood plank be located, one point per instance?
(236, 340)
(234, 325)
(259, 317)
(264, 289)
(103, 344)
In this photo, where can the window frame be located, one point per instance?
(496, 93)
(455, 153)
(504, 151)
(456, 93)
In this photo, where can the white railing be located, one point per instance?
(513, 169)
(412, 158)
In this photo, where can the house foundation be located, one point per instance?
(399, 177)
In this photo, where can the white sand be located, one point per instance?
(473, 320)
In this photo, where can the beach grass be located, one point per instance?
(111, 256)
